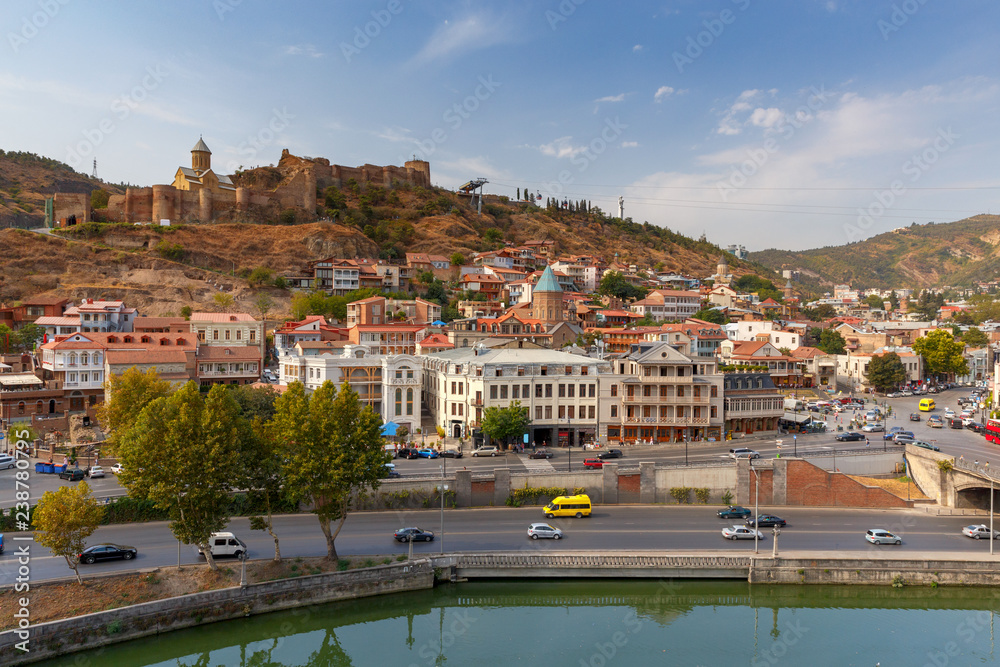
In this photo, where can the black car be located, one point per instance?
(451, 453)
(956, 423)
(914, 416)
(734, 512)
(413, 534)
(612, 454)
(73, 475)
(766, 521)
(850, 436)
(977, 427)
(540, 454)
(108, 552)
(408, 453)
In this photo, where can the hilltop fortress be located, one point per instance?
(198, 194)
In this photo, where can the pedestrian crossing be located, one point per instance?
(536, 465)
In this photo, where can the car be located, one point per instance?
(408, 453)
(427, 453)
(977, 427)
(96, 471)
(904, 440)
(107, 552)
(765, 521)
(914, 416)
(7, 462)
(849, 436)
(611, 454)
(935, 422)
(734, 512)
(873, 428)
(743, 453)
(888, 435)
(925, 445)
(451, 453)
(903, 435)
(882, 536)
(593, 463)
(979, 532)
(226, 544)
(949, 413)
(391, 470)
(906, 392)
(544, 530)
(72, 474)
(541, 454)
(741, 533)
(117, 468)
(487, 451)
(955, 423)
(413, 534)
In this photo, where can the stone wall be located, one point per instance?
(798, 482)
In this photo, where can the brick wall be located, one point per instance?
(811, 486)
(766, 487)
(628, 488)
(482, 493)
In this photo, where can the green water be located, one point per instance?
(595, 624)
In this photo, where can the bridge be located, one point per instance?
(953, 482)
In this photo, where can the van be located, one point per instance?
(926, 404)
(226, 544)
(743, 453)
(578, 506)
(7, 462)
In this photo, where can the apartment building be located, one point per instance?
(752, 403)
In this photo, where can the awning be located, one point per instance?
(439, 323)
(389, 428)
(798, 418)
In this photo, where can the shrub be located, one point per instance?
(287, 217)
(945, 465)
(343, 564)
(682, 494)
(727, 497)
(114, 627)
(171, 251)
(517, 497)
(702, 495)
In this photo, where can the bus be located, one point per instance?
(993, 431)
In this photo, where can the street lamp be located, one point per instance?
(442, 489)
(756, 507)
(774, 547)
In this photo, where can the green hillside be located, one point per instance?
(918, 256)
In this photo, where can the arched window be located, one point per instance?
(399, 402)
(409, 401)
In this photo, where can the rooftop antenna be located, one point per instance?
(94, 174)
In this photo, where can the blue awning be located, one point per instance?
(439, 323)
(389, 428)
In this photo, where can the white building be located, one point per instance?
(90, 315)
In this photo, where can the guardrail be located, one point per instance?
(595, 561)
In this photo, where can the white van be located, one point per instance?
(226, 544)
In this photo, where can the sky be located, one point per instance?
(786, 123)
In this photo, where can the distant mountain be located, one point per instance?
(26, 180)
(918, 256)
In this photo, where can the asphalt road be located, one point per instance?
(630, 528)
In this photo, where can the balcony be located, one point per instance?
(668, 400)
(671, 421)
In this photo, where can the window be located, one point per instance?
(569, 370)
(525, 390)
(409, 401)
(614, 411)
(680, 392)
(454, 410)
(571, 391)
(215, 334)
(715, 392)
(614, 390)
(228, 333)
(697, 392)
(503, 391)
(584, 370)
(548, 412)
(538, 391)
(515, 391)
(544, 370)
(399, 400)
(453, 388)
(493, 391)
(461, 388)
(591, 410)
(570, 411)
(399, 375)
(548, 391)
(647, 371)
(520, 371)
(647, 391)
(460, 408)
(715, 412)
(538, 412)
(562, 391)
(253, 335)
(562, 412)
(239, 335)
(591, 392)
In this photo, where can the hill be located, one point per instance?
(161, 269)
(27, 179)
(918, 256)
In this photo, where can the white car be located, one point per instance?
(487, 451)
(117, 468)
(872, 428)
(741, 533)
(537, 530)
(948, 412)
(882, 536)
(743, 453)
(96, 471)
(979, 532)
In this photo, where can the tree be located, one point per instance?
(710, 315)
(262, 477)
(942, 353)
(28, 336)
(874, 302)
(331, 447)
(505, 423)
(261, 276)
(831, 342)
(64, 519)
(893, 300)
(125, 397)
(613, 283)
(519, 194)
(182, 453)
(493, 236)
(255, 402)
(263, 304)
(764, 288)
(223, 301)
(886, 371)
(975, 337)
(6, 338)
(426, 277)
(457, 259)
(186, 312)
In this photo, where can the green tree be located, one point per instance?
(893, 300)
(831, 342)
(502, 424)
(334, 198)
(125, 397)
(975, 337)
(182, 453)
(711, 315)
(255, 402)
(223, 301)
(426, 277)
(261, 276)
(331, 447)
(28, 336)
(186, 312)
(436, 292)
(613, 283)
(886, 371)
(457, 259)
(942, 353)
(261, 475)
(64, 519)
(493, 236)
(874, 301)
(7, 340)
(263, 304)
(764, 288)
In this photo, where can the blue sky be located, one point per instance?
(785, 123)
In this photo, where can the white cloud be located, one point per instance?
(637, 48)
(612, 98)
(766, 117)
(477, 31)
(561, 148)
(662, 93)
(395, 134)
(730, 124)
(630, 144)
(307, 50)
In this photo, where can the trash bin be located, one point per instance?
(58, 469)
(48, 468)
(40, 467)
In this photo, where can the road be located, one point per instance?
(951, 441)
(631, 528)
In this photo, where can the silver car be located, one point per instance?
(741, 533)
(544, 530)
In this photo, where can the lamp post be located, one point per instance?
(685, 449)
(756, 507)
(991, 515)
(569, 445)
(441, 489)
(774, 547)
